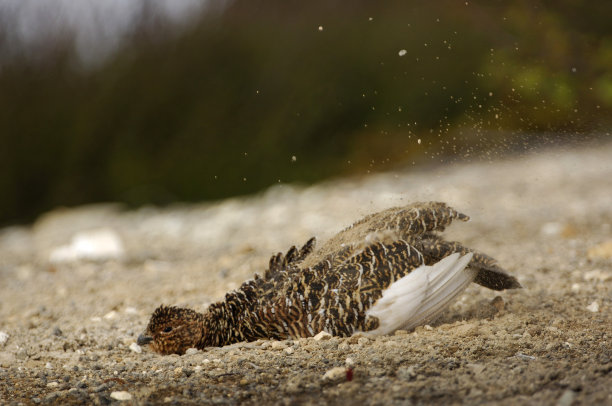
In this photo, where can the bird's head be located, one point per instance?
(172, 330)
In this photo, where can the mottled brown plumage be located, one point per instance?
(304, 292)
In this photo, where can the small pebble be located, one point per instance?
(3, 337)
(100, 244)
(278, 345)
(567, 398)
(53, 384)
(593, 307)
(51, 397)
(121, 395)
(131, 310)
(525, 356)
(111, 315)
(57, 332)
(322, 336)
(191, 351)
(136, 348)
(289, 350)
(406, 373)
(551, 229)
(597, 275)
(335, 374)
(363, 341)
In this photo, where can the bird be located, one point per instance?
(390, 270)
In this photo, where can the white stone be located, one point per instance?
(97, 245)
(111, 315)
(136, 348)
(323, 335)
(278, 345)
(567, 398)
(191, 351)
(335, 374)
(289, 350)
(597, 275)
(551, 229)
(525, 356)
(121, 395)
(3, 337)
(131, 310)
(593, 307)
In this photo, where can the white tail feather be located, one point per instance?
(422, 294)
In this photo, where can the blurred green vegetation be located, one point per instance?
(283, 91)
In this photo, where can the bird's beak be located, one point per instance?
(144, 340)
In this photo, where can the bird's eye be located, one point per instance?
(168, 329)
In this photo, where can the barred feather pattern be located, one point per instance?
(306, 291)
(489, 275)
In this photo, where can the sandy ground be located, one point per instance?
(68, 327)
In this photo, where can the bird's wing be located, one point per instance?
(490, 274)
(422, 294)
(405, 223)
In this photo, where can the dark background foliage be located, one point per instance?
(261, 92)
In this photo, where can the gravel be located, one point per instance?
(68, 326)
